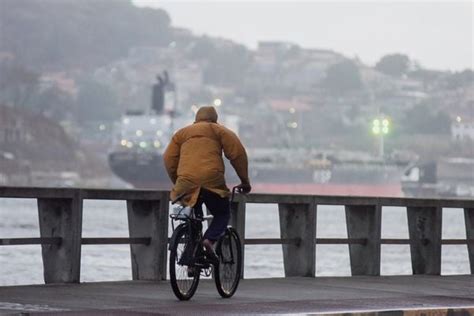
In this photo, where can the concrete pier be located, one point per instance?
(426, 292)
(398, 295)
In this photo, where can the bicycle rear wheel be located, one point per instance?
(184, 278)
(227, 273)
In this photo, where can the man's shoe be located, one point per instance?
(210, 253)
(191, 272)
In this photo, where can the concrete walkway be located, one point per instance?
(432, 294)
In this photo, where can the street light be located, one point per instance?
(381, 127)
(217, 102)
(292, 124)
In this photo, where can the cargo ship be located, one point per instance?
(137, 158)
(138, 161)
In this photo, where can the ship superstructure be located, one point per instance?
(141, 140)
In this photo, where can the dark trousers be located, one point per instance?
(219, 207)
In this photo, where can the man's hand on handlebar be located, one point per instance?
(244, 188)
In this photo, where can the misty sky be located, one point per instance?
(438, 35)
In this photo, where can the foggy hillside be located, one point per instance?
(50, 34)
(68, 35)
(84, 64)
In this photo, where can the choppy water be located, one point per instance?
(23, 264)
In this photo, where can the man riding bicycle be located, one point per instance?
(193, 160)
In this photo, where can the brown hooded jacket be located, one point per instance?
(193, 157)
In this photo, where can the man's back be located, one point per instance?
(193, 158)
(201, 152)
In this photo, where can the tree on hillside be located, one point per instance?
(460, 79)
(17, 84)
(227, 62)
(394, 64)
(51, 35)
(424, 75)
(54, 103)
(342, 78)
(202, 48)
(423, 119)
(96, 102)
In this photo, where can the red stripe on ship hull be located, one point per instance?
(389, 190)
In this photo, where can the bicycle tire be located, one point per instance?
(183, 286)
(227, 273)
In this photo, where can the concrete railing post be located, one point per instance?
(237, 220)
(469, 220)
(424, 226)
(61, 218)
(364, 222)
(149, 219)
(298, 221)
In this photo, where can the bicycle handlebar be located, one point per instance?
(178, 198)
(235, 189)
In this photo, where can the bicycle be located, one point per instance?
(188, 258)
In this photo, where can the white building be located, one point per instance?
(462, 129)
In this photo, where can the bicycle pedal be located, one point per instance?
(191, 272)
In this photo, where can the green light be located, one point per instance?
(380, 126)
(143, 144)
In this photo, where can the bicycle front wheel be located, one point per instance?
(184, 277)
(227, 273)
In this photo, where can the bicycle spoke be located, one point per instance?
(184, 281)
(230, 268)
(230, 262)
(184, 278)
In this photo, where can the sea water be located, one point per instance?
(23, 264)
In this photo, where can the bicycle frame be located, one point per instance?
(190, 219)
(194, 252)
(195, 258)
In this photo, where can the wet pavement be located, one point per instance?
(436, 295)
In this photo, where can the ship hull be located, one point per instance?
(144, 171)
(147, 171)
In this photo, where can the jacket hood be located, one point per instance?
(206, 114)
